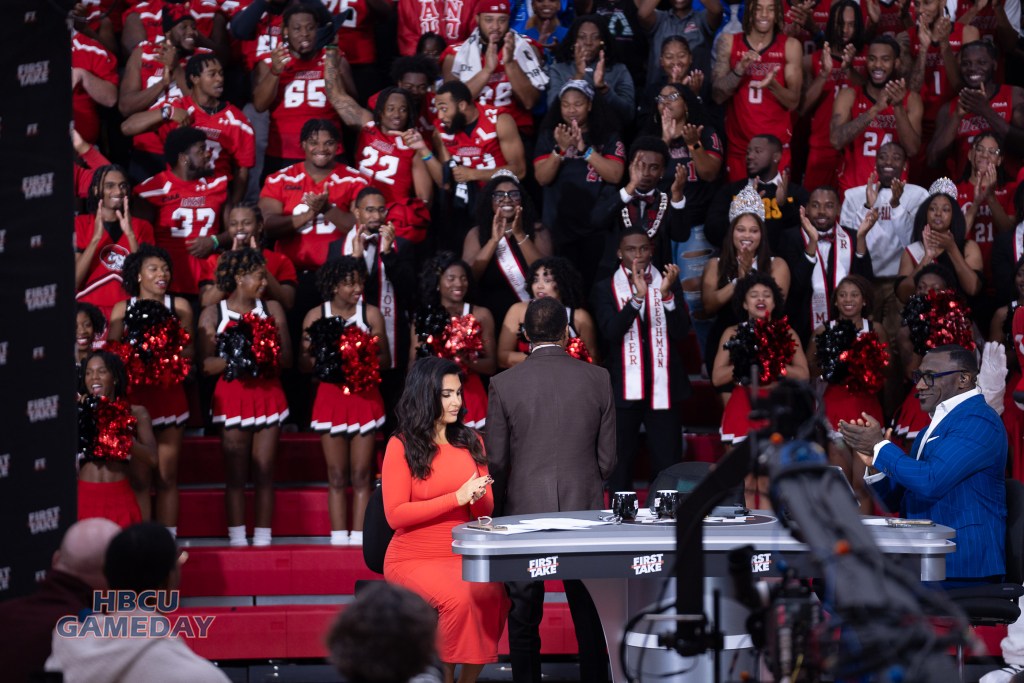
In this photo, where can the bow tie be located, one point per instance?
(370, 236)
(766, 188)
(648, 278)
(829, 236)
(644, 197)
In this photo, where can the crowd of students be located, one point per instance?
(306, 197)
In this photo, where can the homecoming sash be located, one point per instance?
(386, 302)
(633, 348)
(1018, 242)
(842, 261)
(511, 268)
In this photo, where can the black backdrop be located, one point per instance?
(37, 387)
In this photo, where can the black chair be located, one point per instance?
(683, 477)
(996, 604)
(377, 532)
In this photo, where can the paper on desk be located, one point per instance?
(560, 523)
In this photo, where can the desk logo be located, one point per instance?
(543, 566)
(760, 564)
(648, 564)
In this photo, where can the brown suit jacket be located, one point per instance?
(550, 434)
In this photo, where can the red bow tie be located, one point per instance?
(648, 278)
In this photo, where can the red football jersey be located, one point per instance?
(90, 55)
(983, 230)
(387, 161)
(151, 14)
(301, 96)
(498, 92)
(428, 112)
(355, 35)
(151, 70)
(971, 125)
(754, 111)
(936, 88)
(859, 157)
(278, 265)
(228, 136)
(102, 286)
(187, 210)
(97, 10)
(480, 148)
(268, 34)
(821, 120)
(307, 249)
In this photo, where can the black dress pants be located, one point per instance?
(524, 631)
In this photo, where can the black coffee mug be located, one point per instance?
(625, 504)
(665, 503)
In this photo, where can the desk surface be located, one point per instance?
(648, 550)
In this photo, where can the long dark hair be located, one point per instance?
(411, 111)
(729, 265)
(485, 207)
(566, 277)
(695, 113)
(601, 122)
(114, 365)
(1001, 175)
(418, 411)
(835, 18)
(92, 202)
(957, 225)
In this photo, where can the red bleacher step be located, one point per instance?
(300, 511)
(297, 632)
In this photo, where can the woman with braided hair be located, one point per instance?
(244, 341)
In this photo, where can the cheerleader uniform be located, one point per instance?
(167, 405)
(910, 419)
(249, 402)
(1013, 416)
(736, 422)
(474, 396)
(340, 412)
(113, 500)
(843, 404)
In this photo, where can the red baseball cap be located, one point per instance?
(493, 7)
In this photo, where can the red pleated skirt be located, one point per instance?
(843, 404)
(474, 398)
(113, 500)
(167, 406)
(338, 412)
(736, 422)
(249, 403)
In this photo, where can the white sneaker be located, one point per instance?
(355, 538)
(1004, 675)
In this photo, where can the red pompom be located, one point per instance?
(115, 430)
(949, 319)
(359, 361)
(866, 361)
(775, 347)
(155, 357)
(266, 342)
(462, 339)
(578, 350)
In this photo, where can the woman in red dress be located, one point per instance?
(248, 400)
(103, 475)
(435, 477)
(346, 417)
(445, 285)
(147, 277)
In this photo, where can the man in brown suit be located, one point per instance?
(550, 446)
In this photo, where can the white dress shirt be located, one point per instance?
(891, 234)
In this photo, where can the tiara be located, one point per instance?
(746, 201)
(505, 173)
(943, 186)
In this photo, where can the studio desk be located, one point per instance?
(628, 568)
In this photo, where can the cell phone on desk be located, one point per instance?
(906, 523)
(486, 527)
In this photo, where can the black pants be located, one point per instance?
(664, 442)
(524, 631)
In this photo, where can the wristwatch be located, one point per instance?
(166, 111)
